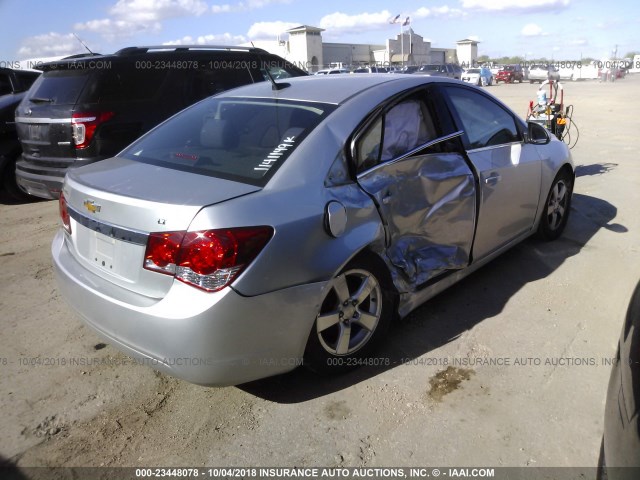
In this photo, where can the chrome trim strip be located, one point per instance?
(123, 234)
(493, 147)
(42, 120)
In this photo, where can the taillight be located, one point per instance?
(84, 126)
(64, 213)
(209, 259)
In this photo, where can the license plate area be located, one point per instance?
(104, 251)
(38, 132)
(111, 257)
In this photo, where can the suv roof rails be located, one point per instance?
(81, 55)
(180, 48)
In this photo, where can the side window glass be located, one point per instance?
(368, 148)
(5, 84)
(395, 132)
(485, 122)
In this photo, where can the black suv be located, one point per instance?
(86, 109)
(13, 85)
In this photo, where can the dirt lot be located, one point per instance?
(528, 337)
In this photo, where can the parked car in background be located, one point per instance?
(448, 70)
(588, 71)
(510, 74)
(541, 73)
(13, 87)
(407, 69)
(386, 189)
(332, 71)
(88, 108)
(478, 76)
(621, 440)
(567, 72)
(371, 70)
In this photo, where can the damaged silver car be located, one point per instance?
(274, 225)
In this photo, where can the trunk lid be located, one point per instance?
(116, 203)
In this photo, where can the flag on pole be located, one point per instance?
(407, 22)
(394, 20)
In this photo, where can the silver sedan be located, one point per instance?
(274, 225)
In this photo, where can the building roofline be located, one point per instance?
(305, 28)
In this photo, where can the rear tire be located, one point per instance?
(352, 321)
(556, 208)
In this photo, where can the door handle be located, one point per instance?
(493, 179)
(387, 198)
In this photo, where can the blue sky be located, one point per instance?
(558, 29)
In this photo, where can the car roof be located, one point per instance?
(335, 89)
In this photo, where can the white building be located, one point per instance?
(306, 49)
(467, 52)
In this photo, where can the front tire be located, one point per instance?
(353, 319)
(556, 208)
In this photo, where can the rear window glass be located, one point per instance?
(59, 87)
(245, 140)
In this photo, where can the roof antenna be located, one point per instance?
(83, 44)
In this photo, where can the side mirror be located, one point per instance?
(537, 134)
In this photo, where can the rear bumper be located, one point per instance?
(216, 339)
(43, 183)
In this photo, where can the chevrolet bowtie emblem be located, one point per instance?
(92, 206)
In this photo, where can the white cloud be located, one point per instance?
(226, 8)
(211, 39)
(516, 6)
(156, 10)
(245, 6)
(532, 30)
(443, 11)
(50, 45)
(579, 41)
(269, 30)
(355, 23)
(130, 17)
(112, 29)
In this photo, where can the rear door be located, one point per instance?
(423, 188)
(509, 170)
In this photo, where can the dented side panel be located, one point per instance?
(428, 206)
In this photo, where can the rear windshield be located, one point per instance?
(59, 87)
(240, 139)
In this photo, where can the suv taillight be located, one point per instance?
(84, 125)
(64, 213)
(209, 259)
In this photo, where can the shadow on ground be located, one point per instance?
(480, 296)
(594, 169)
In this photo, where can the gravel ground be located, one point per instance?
(507, 368)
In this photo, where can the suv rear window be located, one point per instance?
(239, 139)
(59, 87)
